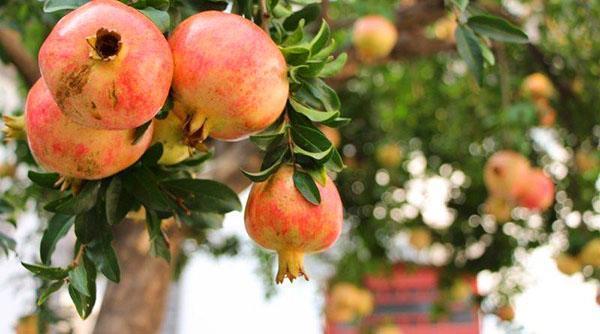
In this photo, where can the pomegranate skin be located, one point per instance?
(505, 174)
(123, 84)
(539, 192)
(278, 217)
(229, 75)
(374, 37)
(65, 147)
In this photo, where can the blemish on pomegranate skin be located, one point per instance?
(72, 83)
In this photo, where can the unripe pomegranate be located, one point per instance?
(498, 207)
(505, 313)
(65, 147)
(505, 174)
(420, 238)
(170, 133)
(389, 155)
(538, 193)
(374, 37)
(278, 217)
(590, 254)
(537, 86)
(107, 66)
(444, 28)
(229, 75)
(567, 264)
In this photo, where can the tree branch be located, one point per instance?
(11, 42)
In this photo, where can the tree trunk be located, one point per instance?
(137, 303)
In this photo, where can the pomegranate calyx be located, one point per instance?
(14, 127)
(291, 265)
(105, 45)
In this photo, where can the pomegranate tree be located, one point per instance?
(230, 78)
(278, 217)
(107, 66)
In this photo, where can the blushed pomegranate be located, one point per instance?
(538, 194)
(505, 174)
(229, 76)
(373, 37)
(107, 66)
(278, 217)
(65, 147)
(537, 86)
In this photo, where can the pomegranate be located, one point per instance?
(538, 194)
(590, 254)
(107, 66)
(229, 76)
(65, 147)
(170, 133)
(537, 86)
(498, 207)
(374, 37)
(332, 134)
(505, 313)
(567, 264)
(505, 174)
(545, 112)
(420, 238)
(389, 155)
(278, 217)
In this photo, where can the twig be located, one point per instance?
(264, 15)
(12, 44)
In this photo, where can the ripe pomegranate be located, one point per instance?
(278, 217)
(567, 264)
(537, 86)
(107, 66)
(332, 134)
(590, 254)
(505, 313)
(538, 193)
(170, 133)
(498, 207)
(505, 174)
(374, 37)
(389, 155)
(65, 147)
(229, 75)
(420, 238)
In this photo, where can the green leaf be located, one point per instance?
(296, 54)
(78, 277)
(159, 246)
(103, 255)
(295, 37)
(142, 184)
(7, 243)
(84, 304)
(269, 167)
(56, 5)
(140, 131)
(52, 288)
(152, 155)
(319, 175)
(334, 67)
(201, 220)
(118, 201)
(160, 17)
(309, 13)
(46, 180)
(46, 272)
(497, 28)
(337, 122)
(58, 226)
(335, 162)
(487, 54)
(313, 114)
(309, 141)
(469, 49)
(90, 225)
(307, 187)
(204, 195)
(82, 202)
(320, 39)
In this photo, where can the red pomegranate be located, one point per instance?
(279, 218)
(229, 75)
(107, 66)
(538, 194)
(505, 174)
(65, 147)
